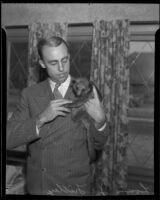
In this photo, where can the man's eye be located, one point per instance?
(64, 60)
(54, 63)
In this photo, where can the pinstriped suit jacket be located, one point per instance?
(58, 161)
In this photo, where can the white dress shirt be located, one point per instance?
(63, 87)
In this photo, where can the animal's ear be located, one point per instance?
(73, 86)
(73, 82)
(91, 84)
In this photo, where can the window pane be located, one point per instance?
(141, 112)
(18, 72)
(80, 51)
(141, 62)
(18, 66)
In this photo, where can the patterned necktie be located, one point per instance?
(56, 92)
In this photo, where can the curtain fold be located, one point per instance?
(39, 30)
(110, 71)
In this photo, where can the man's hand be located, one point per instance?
(95, 109)
(54, 109)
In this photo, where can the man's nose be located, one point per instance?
(60, 67)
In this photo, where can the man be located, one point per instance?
(58, 161)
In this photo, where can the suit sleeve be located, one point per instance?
(99, 137)
(21, 127)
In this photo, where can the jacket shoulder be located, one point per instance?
(35, 89)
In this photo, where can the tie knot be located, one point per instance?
(56, 92)
(57, 85)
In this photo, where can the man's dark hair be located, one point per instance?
(53, 41)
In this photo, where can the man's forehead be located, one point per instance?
(59, 49)
(61, 46)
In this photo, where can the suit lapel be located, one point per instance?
(43, 95)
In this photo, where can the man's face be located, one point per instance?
(56, 62)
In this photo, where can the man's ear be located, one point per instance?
(42, 64)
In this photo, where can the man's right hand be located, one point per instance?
(54, 109)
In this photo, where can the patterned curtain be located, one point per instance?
(110, 71)
(39, 30)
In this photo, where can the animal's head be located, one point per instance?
(81, 87)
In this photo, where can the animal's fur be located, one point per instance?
(83, 91)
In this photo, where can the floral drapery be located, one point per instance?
(109, 70)
(39, 30)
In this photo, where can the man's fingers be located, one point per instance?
(61, 101)
(63, 109)
(87, 103)
(61, 113)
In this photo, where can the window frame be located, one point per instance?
(140, 31)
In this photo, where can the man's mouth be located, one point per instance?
(62, 75)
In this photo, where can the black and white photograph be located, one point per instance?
(80, 93)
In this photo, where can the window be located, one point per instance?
(141, 111)
(17, 69)
(141, 105)
(80, 42)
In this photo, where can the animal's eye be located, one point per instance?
(73, 81)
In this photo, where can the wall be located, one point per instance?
(25, 13)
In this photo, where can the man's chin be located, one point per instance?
(62, 79)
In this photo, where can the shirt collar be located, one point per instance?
(63, 87)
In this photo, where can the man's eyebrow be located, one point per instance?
(50, 61)
(65, 57)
